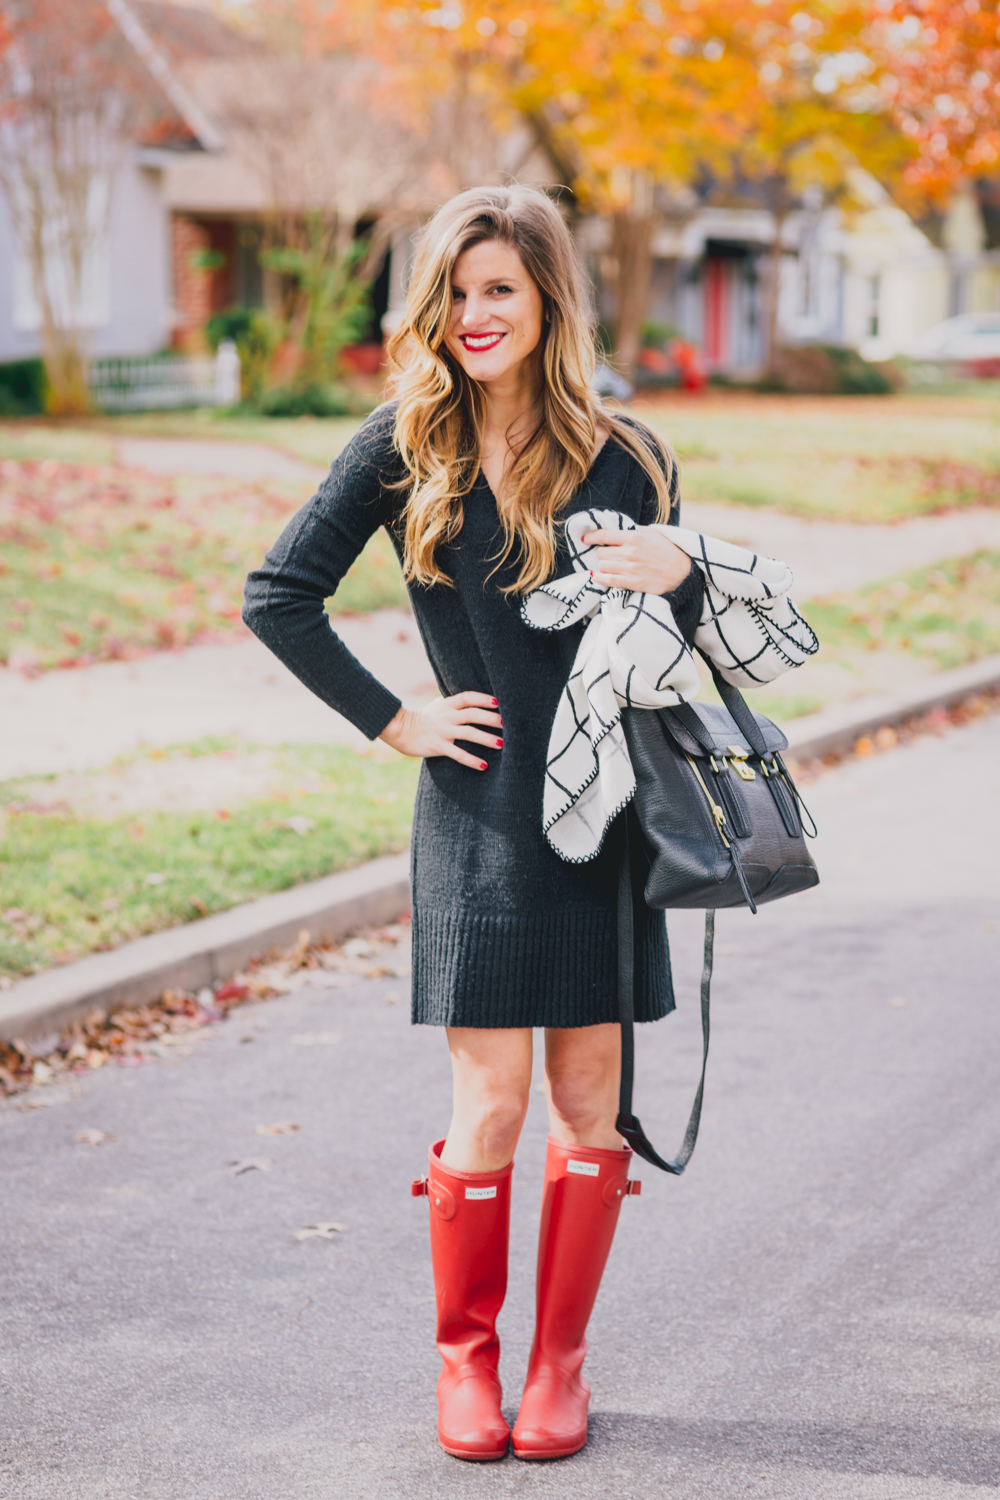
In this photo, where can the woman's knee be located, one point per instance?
(492, 1078)
(580, 1100)
(582, 1078)
(495, 1118)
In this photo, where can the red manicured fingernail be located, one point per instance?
(499, 744)
(483, 766)
(494, 702)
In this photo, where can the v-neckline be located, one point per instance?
(481, 476)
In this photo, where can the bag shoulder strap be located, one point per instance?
(627, 1124)
(736, 704)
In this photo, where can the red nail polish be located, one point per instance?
(499, 744)
(483, 766)
(494, 702)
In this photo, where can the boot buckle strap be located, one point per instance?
(441, 1200)
(618, 1188)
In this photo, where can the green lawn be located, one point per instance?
(948, 614)
(98, 562)
(849, 458)
(78, 877)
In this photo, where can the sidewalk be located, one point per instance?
(74, 721)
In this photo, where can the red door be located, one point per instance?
(717, 309)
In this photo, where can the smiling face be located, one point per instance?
(496, 320)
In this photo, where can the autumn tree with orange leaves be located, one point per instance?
(642, 96)
(943, 66)
(621, 102)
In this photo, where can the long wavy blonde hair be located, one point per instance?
(441, 415)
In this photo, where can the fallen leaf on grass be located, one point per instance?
(237, 1168)
(94, 1137)
(319, 1231)
(316, 1039)
(282, 1127)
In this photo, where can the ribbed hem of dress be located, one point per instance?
(547, 968)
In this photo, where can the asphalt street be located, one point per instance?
(811, 1312)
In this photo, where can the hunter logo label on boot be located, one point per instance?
(489, 1192)
(584, 1168)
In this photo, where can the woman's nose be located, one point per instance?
(475, 310)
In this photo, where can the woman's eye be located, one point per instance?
(503, 290)
(457, 296)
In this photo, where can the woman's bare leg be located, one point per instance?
(491, 1073)
(582, 1074)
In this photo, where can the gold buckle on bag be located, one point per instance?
(738, 757)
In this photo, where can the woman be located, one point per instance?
(495, 436)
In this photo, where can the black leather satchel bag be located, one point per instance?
(720, 822)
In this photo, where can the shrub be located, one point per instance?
(827, 370)
(657, 335)
(311, 401)
(255, 336)
(23, 388)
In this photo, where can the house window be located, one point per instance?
(958, 291)
(249, 275)
(809, 281)
(874, 295)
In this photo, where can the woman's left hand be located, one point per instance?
(643, 560)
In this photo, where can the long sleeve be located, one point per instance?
(284, 597)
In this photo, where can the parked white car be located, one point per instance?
(968, 339)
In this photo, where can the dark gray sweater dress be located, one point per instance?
(504, 932)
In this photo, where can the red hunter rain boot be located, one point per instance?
(470, 1223)
(583, 1194)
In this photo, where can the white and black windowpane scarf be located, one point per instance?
(633, 655)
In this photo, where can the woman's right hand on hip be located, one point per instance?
(435, 730)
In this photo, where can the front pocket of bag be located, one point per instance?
(732, 801)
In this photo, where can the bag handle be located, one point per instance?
(736, 704)
(627, 1124)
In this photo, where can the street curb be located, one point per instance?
(199, 953)
(839, 728)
